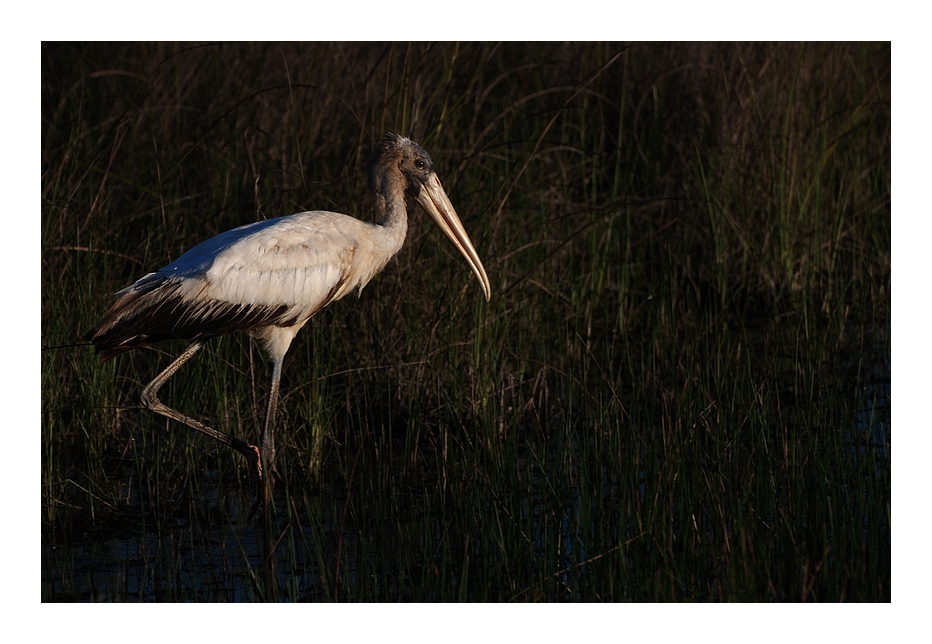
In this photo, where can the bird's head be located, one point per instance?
(397, 159)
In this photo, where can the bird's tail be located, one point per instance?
(124, 327)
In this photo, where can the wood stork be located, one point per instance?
(268, 278)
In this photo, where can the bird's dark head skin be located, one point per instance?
(395, 151)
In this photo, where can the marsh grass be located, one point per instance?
(679, 390)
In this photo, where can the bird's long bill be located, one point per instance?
(435, 201)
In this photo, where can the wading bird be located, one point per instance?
(268, 278)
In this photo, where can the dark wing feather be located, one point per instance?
(154, 311)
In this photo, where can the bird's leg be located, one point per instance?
(268, 436)
(150, 399)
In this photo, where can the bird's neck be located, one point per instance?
(390, 209)
(388, 194)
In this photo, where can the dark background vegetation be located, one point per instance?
(679, 390)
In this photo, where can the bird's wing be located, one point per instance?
(301, 262)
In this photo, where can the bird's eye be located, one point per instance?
(421, 164)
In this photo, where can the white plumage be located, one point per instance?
(268, 278)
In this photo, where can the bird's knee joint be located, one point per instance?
(149, 399)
